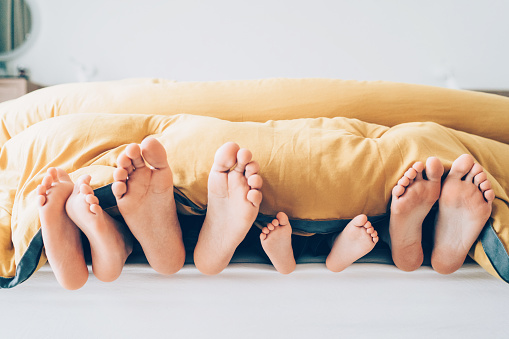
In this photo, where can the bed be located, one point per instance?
(249, 299)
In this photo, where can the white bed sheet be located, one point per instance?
(254, 301)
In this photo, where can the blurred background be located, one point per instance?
(449, 43)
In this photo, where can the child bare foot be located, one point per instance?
(234, 199)
(276, 241)
(463, 209)
(145, 199)
(412, 199)
(62, 238)
(110, 244)
(355, 241)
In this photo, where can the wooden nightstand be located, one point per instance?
(12, 88)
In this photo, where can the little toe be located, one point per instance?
(461, 166)
(489, 195)
(263, 236)
(255, 197)
(398, 190)
(255, 181)
(119, 188)
(41, 200)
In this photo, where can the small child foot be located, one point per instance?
(463, 209)
(276, 241)
(355, 241)
(145, 199)
(62, 238)
(412, 199)
(110, 244)
(234, 199)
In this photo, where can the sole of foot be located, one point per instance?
(62, 238)
(276, 240)
(234, 199)
(412, 199)
(110, 243)
(143, 188)
(355, 241)
(464, 207)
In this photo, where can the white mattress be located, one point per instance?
(254, 301)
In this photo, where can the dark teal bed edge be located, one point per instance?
(495, 251)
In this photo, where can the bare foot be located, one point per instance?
(355, 241)
(62, 238)
(145, 199)
(412, 199)
(234, 199)
(276, 241)
(110, 244)
(463, 209)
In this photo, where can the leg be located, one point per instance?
(145, 199)
(276, 241)
(412, 200)
(110, 243)
(355, 241)
(234, 199)
(62, 238)
(463, 209)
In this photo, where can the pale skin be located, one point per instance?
(66, 210)
(234, 199)
(356, 240)
(464, 205)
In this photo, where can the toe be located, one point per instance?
(91, 199)
(118, 188)
(263, 236)
(52, 171)
(270, 226)
(133, 151)
(265, 230)
(479, 178)
(275, 222)
(485, 185)
(282, 218)
(398, 190)
(124, 162)
(154, 153)
(434, 169)
(62, 175)
(489, 195)
(255, 181)
(86, 189)
(255, 197)
(47, 181)
(404, 181)
(476, 169)
(461, 166)
(244, 156)
(95, 208)
(225, 157)
(120, 174)
(411, 173)
(360, 220)
(41, 200)
(252, 168)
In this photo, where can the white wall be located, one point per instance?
(408, 41)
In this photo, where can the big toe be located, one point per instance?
(154, 153)
(434, 169)
(225, 157)
(461, 166)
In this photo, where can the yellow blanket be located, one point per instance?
(328, 149)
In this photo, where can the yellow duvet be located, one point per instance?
(328, 149)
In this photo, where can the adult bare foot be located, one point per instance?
(234, 199)
(463, 209)
(276, 239)
(355, 241)
(110, 243)
(62, 238)
(412, 199)
(145, 199)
